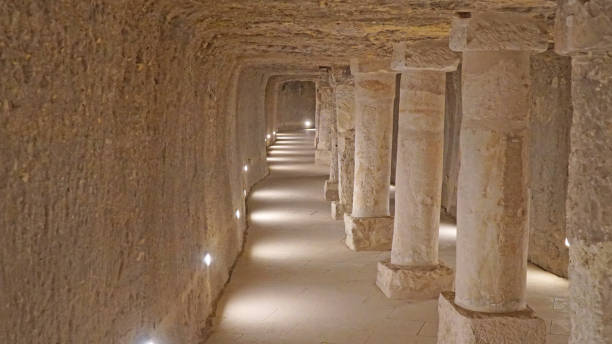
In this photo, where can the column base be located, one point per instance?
(414, 282)
(330, 191)
(337, 210)
(461, 326)
(322, 157)
(368, 233)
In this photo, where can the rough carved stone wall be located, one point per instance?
(452, 126)
(117, 132)
(296, 104)
(550, 121)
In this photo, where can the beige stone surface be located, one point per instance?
(374, 94)
(433, 55)
(414, 282)
(419, 168)
(549, 145)
(330, 191)
(588, 205)
(492, 193)
(462, 326)
(583, 26)
(498, 31)
(297, 283)
(368, 233)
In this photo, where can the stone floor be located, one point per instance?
(297, 282)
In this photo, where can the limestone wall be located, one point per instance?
(120, 166)
(452, 126)
(551, 113)
(296, 104)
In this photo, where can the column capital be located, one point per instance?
(497, 31)
(432, 55)
(371, 66)
(341, 76)
(583, 27)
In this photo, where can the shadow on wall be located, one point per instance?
(296, 104)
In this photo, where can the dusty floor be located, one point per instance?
(297, 282)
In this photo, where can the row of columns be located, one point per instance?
(488, 303)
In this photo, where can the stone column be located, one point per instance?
(584, 31)
(370, 226)
(414, 271)
(345, 105)
(317, 114)
(492, 236)
(330, 188)
(326, 119)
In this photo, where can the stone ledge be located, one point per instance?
(414, 282)
(368, 233)
(330, 191)
(322, 157)
(461, 326)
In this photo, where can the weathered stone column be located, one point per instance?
(345, 105)
(414, 271)
(492, 235)
(370, 227)
(330, 189)
(326, 120)
(584, 31)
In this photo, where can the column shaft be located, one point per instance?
(346, 170)
(374, 93)
(492, 234)
(419, 169)
(589, 210)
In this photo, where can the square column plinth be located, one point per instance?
(461, 326)
(337, 210)
(322, 157)
(414, 282)
(330, 191)
(368, 233)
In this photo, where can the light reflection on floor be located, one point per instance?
(296, 282)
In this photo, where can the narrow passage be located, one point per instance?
(297, 282)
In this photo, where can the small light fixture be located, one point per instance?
(237, 213)
(274, 133)
(244, 192)
(307, 124)
(245, 168)
(150, 341)
(268, 136)
(567, 244)
(207, 259)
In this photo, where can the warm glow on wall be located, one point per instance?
(308, 124)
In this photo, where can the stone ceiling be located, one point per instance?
(330, 31)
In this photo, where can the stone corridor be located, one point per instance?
(313, 171)
(296, 281)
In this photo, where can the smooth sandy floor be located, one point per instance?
(297, 282)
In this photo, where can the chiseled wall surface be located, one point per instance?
(117, 133)
(452, 128)
(550, 121)
(296, 104)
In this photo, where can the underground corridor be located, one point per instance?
(298, 172)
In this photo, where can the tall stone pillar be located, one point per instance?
(414, 271)
(317, 114)
(330, 189)
(492, 235)
(370, 226)
(345, 105)
(584, 31)
(326, 120)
